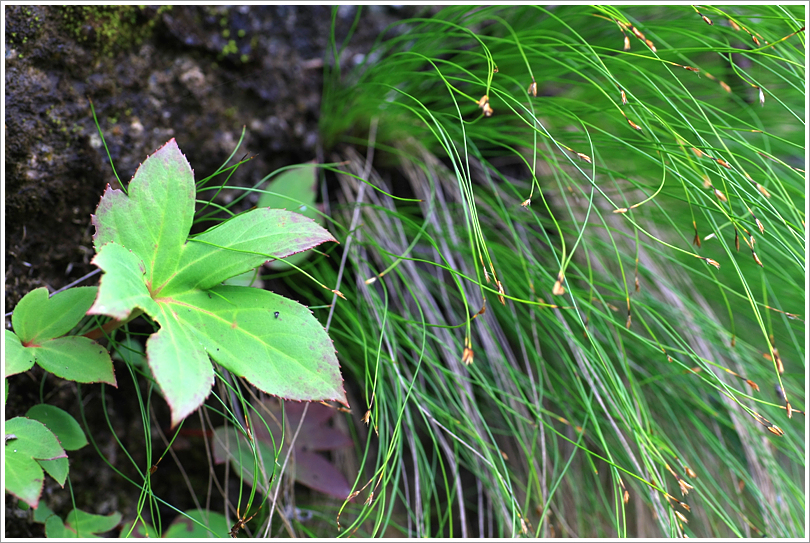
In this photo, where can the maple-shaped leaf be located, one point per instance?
(150, 263)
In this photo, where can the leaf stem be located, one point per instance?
(105, 329)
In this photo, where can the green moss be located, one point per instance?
(116, 28)
(230, 48)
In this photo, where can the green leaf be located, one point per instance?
(182, 527)
(293, 189)
(154, 220)
(131, 351)
(80, 524)
(56, 468)
(140, 530)
(180, 366)
(242, 244)
(42, 513)
(55, 528)
(41, 321)
(83, 523)
(18, 358)
(178, 285)
(296, 190)
(123, 286)
(24, 477)
(248, 279)
(289, 355)
(76, 358)
(58, 421)
(38, 318)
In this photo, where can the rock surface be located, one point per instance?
(196, 73)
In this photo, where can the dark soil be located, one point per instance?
(198, 74)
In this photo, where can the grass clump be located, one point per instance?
(575, 313)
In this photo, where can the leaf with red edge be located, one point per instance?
(151, 264)
(39, 321)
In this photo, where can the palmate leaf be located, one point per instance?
(149, 263)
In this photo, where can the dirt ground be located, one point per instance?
(196, 73)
